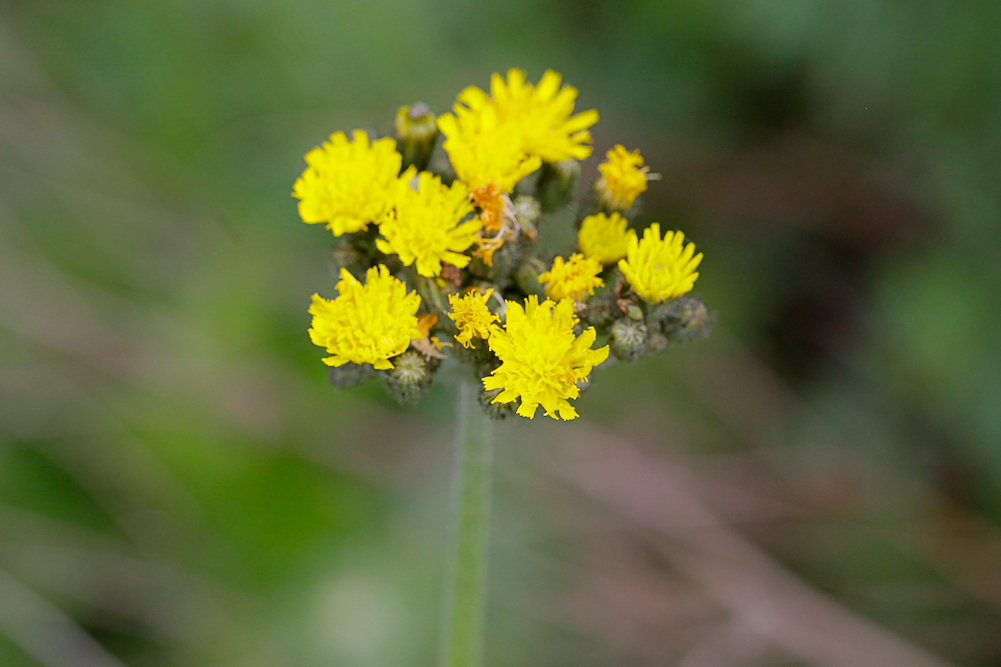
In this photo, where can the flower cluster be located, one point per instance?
(427, 227)
(366, 324)
(605, 238)
(542, 361)
(349, 184)
(660, 269)
(575, 279)
(623, 179)
(435, 232)
(471, 315)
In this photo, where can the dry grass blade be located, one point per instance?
(766, 597)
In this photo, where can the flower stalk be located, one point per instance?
(465, 586)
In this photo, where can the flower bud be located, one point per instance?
(416, 133)
(502, 265)
(628, 339)
(634, 312)
(350, 375)
(657, 343)
(527, 276)
(556, 183)
(434, 295)
(601, 308)
(527, 212)
(682, 319)
(345, 256)
(410, 377)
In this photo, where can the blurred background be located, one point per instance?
(819, 483)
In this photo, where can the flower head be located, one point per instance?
(542, 361)
(366, 324)
(574, 279)
(604, 237)
(482, 148)
(426, 227)
(623, 178)
(542, 115)
(471, 315)
(347, 185)
(660, 269)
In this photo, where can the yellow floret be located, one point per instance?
(426, 227)
(347, 185)
(481, 148)
(366, 324)
(623, 178)
(542, 115)
(660, 269)
(575, 279)
(542, 361)
(471, 315)
(604, 237)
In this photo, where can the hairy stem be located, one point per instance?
(462, 637)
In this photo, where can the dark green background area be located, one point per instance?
(178, 479)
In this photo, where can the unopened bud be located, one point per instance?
(416, 133)
(527, 276)
(683, 319)
(628, 339)
(556, 183)
(350, 375)
(598, 313)
(410, 377)
(657, 343)
(502, 266)
(434, 295)
(527, 212)
(345, 256)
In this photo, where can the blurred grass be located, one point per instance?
(175, 473)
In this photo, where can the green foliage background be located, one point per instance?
(177, 476)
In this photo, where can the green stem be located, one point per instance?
(462, 637)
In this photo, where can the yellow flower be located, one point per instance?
(471, 315)
(660, 269)
(604, 237)
(573, 279)
(623, 178)
(426, 227)
(542, 361)
(542, 115)
(481, 148)
(366, 324)
(349, 184)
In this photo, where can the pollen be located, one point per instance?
(542, 360)
(623, 178)
(659, 269)
(427, 228)
(604, 237)
(367, 323)
(471, 315)
(575, 278)
(349, 184)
